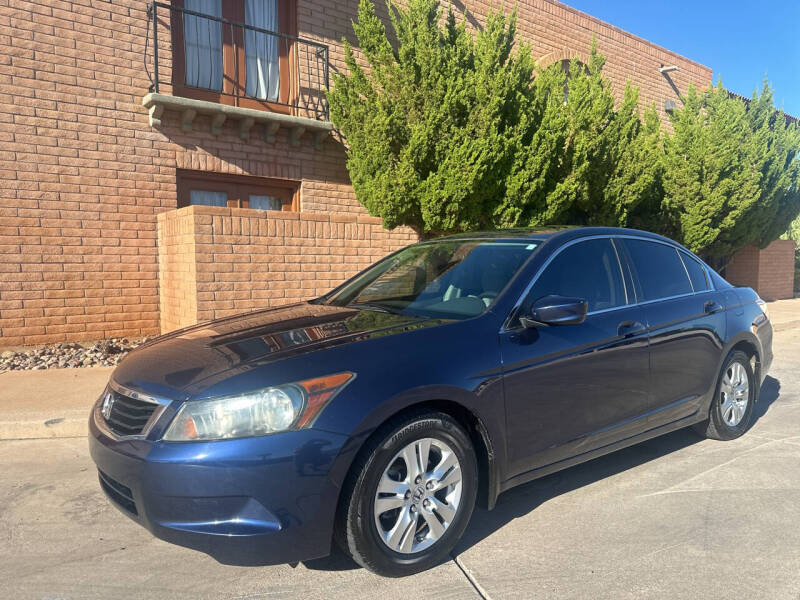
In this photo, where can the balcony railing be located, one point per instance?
(217, 59)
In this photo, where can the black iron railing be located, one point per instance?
(214, 58)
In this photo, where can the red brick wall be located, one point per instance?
(177, 269)
(83, 175)
(769, 271)
(776, 270)
(554, 30)
(245, 259)
(742, 269)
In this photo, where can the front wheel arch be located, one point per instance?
(488, 472)
(750, 349)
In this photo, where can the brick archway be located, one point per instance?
(557, 56)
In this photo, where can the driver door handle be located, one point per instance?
(630, 328)
(711, 307)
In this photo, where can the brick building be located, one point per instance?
(160, 165)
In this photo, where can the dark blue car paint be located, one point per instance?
(539, 399)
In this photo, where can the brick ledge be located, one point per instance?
(246, 117)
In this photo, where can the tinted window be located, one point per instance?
(696, 272)
(660, 270)
(588, 270)
(449, 278)
(718, 280)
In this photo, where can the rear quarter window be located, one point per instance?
(659, 268)
(697, 274)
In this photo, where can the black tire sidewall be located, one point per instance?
(725, 430)
(364, 534)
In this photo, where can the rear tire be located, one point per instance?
(398, 516)
(732, 405)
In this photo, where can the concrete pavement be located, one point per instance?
(47, 404)
(60, 538)
(675, 517)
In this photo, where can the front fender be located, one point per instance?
(484, 407)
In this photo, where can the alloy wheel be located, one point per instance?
(418, 496)
(734, 394)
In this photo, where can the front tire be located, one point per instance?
(732, 406)
(409, 496)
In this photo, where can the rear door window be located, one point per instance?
(659, 268)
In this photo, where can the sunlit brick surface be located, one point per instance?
(769, 271)
(83, 175)
(221, 261)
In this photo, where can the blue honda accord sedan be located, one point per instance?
(376, 416)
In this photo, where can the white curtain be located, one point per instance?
(208, 198)
(265, 202)
(261, 49)
(203, 40)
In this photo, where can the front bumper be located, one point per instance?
(253, 501)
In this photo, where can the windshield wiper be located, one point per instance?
(375, 307)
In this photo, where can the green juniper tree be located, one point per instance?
(730, 172)
(449, 130)
(584, 162)
(433, 124)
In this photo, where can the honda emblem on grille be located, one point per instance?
(108, 402)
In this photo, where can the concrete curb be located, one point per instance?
(52, 403)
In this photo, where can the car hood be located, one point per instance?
(178, 363)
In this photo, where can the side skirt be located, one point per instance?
(586, 456)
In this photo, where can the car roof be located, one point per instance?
(560, 233)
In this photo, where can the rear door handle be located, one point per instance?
(630, 328)
(711, 307)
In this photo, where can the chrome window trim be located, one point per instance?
(685, 270)
(100, 421)
(709, 281)
(621, 274)
(643, 302)
(506, 324)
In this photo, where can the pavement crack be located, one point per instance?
(471, 578)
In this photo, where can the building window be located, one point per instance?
(565, 64)
(237, 191)
(242, 53)
(203, 45)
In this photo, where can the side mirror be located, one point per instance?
(555, 310)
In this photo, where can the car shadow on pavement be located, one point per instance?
(770, 391)
(521, 500)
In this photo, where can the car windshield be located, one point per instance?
(453, 279)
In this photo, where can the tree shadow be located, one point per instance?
(461, 10)
(523, 499)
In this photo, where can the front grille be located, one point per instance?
(128, 415)
(119, 493)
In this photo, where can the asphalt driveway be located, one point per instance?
(674, 517)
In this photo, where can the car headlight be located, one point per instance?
(261, 412)
(763, 306)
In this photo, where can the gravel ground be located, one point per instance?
(105, 353)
